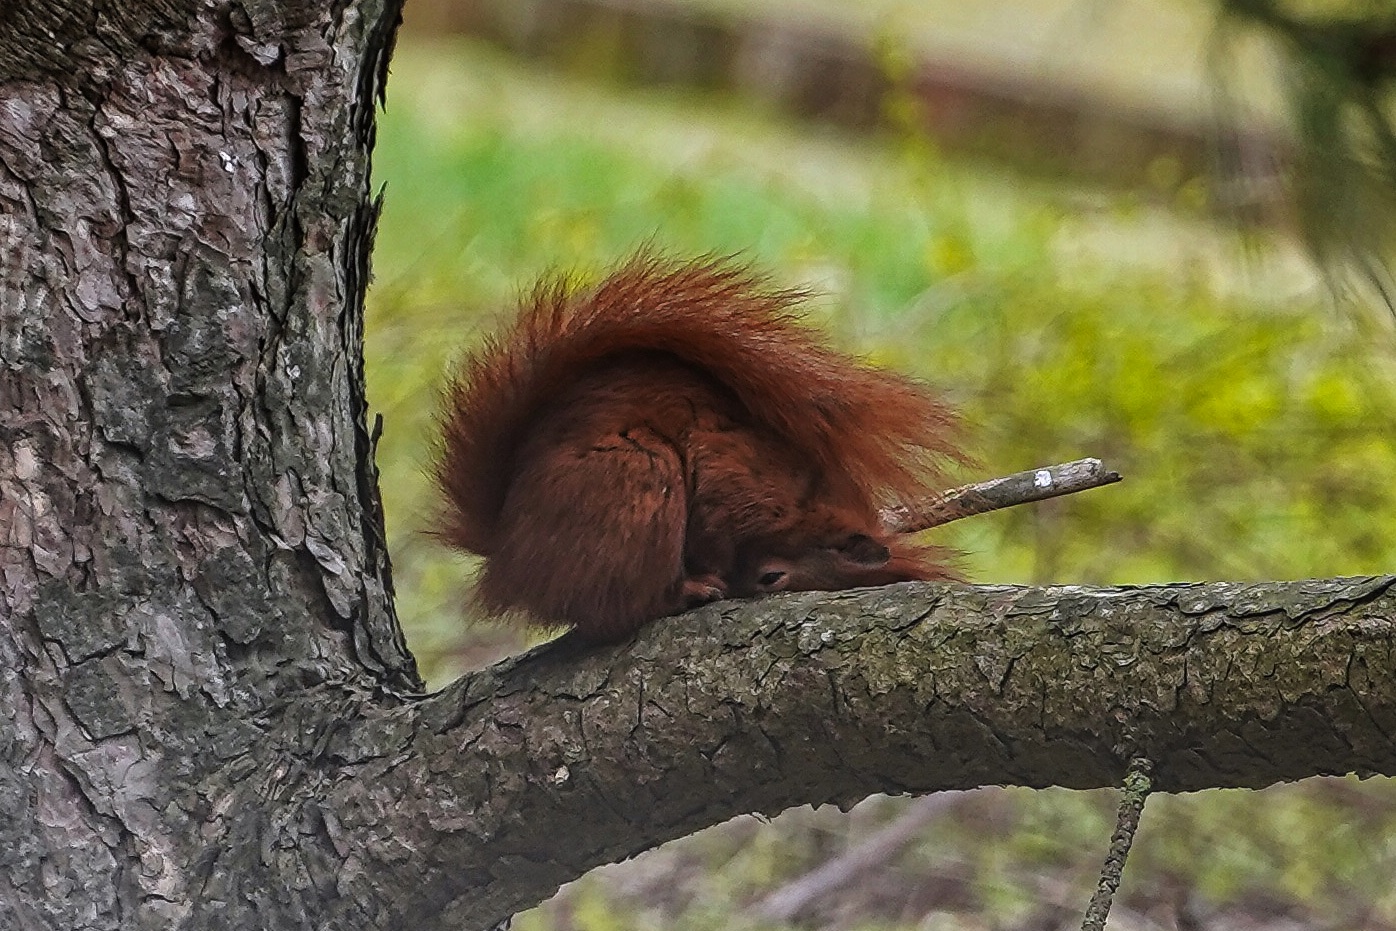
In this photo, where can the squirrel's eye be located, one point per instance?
(770, 578)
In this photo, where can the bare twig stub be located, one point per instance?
(1018, 488)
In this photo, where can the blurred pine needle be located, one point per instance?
(1339, 89)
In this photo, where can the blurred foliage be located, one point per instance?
(1338, 66)
(1252, 423)
(1317, 854)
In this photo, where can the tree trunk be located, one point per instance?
(210, 718)
(190, 539)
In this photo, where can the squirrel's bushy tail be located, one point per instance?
(877, 434)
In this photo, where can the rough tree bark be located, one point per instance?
(210, 718)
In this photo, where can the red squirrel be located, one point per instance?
(671, 436)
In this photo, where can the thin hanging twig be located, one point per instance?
(1138, 784)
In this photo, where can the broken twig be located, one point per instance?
(981, 497)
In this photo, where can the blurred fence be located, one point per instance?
(819, 71)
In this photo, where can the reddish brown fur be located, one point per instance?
(672, 436)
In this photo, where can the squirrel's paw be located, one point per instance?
(702, 589)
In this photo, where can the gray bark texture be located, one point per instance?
(210, 719)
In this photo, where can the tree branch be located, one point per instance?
(479, 801)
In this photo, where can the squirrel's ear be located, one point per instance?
(864, 551)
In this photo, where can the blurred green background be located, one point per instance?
(1250, 413)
